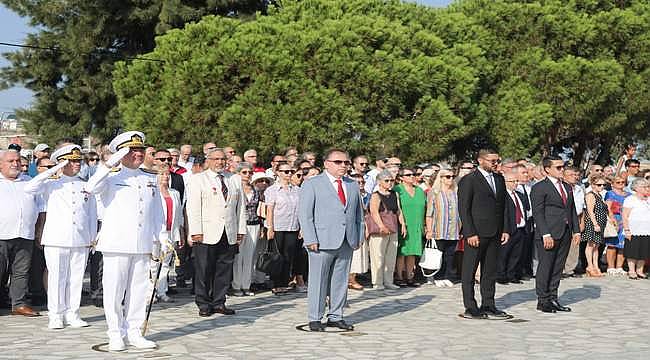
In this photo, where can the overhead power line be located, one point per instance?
(107, 52)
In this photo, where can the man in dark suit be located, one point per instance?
(481, 203)
(510, 253)
(556, 224)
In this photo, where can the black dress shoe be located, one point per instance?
(412, 283)
(205, 312)
(516, 281)
(559, 307)
(503, 281)
(475, 314)
(316, 326)
(341, 324)
(493, 313)
(223, 310)
(546, 307)
(171, 291)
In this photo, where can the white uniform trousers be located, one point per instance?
(242, 271)
(163, 280)
(66, 267)
(126, 277)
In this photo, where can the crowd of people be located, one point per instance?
(137, 216)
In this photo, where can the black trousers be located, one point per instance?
(36, 271)
(581, 266)
(550, 266)
(486, 254)
(185, 271)
(287, 242)
(527, 253)
(299, 266)
(448, 248)
(213, 272)
(17, 255)
(510, 255)
(96, 270)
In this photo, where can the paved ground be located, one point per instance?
(609, 321)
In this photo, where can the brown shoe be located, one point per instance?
(25, 310)
(355, 286)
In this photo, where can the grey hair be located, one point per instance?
(250, 152)
(639, 183)
(4, 152)
(210, 151)
(384, 174)
(244, 165)
(174, 150)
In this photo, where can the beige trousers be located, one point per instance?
(383, 254)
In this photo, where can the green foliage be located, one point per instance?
(365, 75)
(73, 83)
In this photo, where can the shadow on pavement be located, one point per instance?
(388, 308)
(570, 296)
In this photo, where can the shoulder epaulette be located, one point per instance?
(116, 169)
(148, 171)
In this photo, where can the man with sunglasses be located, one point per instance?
(70, 227)
(331, 219)
(557, 226)
(163, 159)
(132, 221)
(276, 161)
(482, 210)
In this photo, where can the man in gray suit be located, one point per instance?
(331, 219)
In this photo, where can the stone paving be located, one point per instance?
(609, 321)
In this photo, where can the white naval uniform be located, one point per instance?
(132, 222)
(70, 227)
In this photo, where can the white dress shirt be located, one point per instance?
(579, 198)
(19, 210)
(517, 201)
(489, 177)
(335, 184)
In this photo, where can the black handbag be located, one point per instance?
(270, 262)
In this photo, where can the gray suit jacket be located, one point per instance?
(323, 218)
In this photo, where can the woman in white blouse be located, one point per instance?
(636, 227)
(173, 216)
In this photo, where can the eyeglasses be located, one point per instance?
(388, 180)
(619, 182)
(287, 172)
(246, 172)
(448, 176)
(93, 159)
(167, 159)
(341, 162)
(364, 164)
(599, 184)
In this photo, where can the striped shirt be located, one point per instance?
(443, 209)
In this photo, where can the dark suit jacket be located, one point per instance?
(550, 214)
(482, 212)
(511, 211)
(178, 184)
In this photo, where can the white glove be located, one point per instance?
(155, 253)
(166, 246)
(115, 158)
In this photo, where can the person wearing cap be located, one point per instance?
(40, 151)
(17, 219)
(70, 227)
(132, 221)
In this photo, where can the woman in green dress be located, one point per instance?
(413, 202)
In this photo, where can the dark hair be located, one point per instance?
(199, 159)
(548, 160)
(629, 162)
(572, 168)
(331, 151)
(303, 162)
(39, 161)
(402, 170)
(628, 146)
(485, 152)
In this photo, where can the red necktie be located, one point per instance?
(518, 214)
(341, 193)
(562, 193)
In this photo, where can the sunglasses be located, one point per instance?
(559, 167)
(389, 180)
(287, 172)
(407, 175)
(298, 175)
(167, 159)
(395, 164)
(246, 172)
(364, 164)
(599, 184)
(341, 162)
(47, 166)
(619, 182)
(467, 167)
(448, 176)
(93, 159)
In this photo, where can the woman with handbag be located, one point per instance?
(382, 222)
(615, 243)
(443, 225)
(595, 220)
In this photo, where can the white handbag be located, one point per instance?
(431, 259)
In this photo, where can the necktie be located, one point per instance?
(518, 213)
(562, 192)
(224, 188)
(491, 181)
(341, 193)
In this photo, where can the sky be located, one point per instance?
(14, 29)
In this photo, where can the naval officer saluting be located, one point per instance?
(132, 222)
(70, 227)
